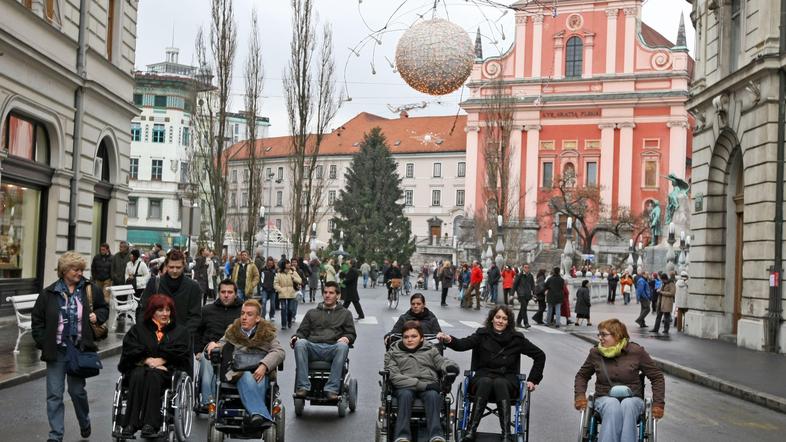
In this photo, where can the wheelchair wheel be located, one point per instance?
(213, 435)
(458, 426)
(281, 424)
(269, 435)
(117, 405)
(183, 408)
(300, 404)
(650, 426)
(352, 391)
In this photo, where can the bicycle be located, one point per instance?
(407, 287)
(394, 293)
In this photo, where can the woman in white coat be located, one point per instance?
(137, 273)
(681, 300)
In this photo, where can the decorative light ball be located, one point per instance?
(435, 56)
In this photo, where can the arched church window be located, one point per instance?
(574, 57)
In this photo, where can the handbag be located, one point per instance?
(100, 331)
(132, 280)
(618, 391)
(81, 364)
(247, 360)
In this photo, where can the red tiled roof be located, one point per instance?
(404, 135)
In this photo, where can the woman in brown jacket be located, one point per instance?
(666, 304)
(617, 362)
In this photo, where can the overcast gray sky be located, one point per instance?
(162, 23)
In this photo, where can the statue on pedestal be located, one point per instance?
(679, 190)
(655, 222)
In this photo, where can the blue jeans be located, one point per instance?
(264, 295)
(551, 310)
(207, 383)
(55, 385)
(253, 395)
(306, 351)
(288, 311)
(365, 280)
(493, 293)
(241, 294)
(619, 418)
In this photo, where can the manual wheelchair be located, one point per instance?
(519, 418)
(319, 374)
(228, 417)
(387, 414)
(590, 423)
(176, 408)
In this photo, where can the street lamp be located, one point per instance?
(670, 257)
(340, 247)
(489, 252)
(568, 251)
(640, 261)
(631, 261)
(313, 254)
(500, 250)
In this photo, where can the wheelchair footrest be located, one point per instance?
(487, 437)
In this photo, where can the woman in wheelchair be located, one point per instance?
(152, 350)
(414, 367)
(618, 388)
(250, 350)
(496, 357)
(429, 323)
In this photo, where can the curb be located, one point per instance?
(767, 400)
(41, 372)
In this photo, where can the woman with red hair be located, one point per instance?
(152, 350)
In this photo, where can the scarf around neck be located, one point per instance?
(613, 351)
(160, 330)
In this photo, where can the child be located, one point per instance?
(583, 304)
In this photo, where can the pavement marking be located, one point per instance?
(443, 323)
(545, 329)
(395, 318)
(369, 320)
(472, 324)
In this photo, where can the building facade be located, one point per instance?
(735, 98)
(65, 103)
(429, 152)
(594, 92)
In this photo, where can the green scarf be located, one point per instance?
(613, 352)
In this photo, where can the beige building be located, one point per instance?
(735, 99)
(65, 105)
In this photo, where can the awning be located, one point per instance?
(147, 237)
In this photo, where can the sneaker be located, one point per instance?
(331, 396)
(527, 326)
(301, 392)
(85, 432)
(148, 431)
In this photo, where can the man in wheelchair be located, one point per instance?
(619, 390)
(414, 367)
(250, 350)
(325, 334)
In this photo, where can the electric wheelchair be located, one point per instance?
(319, 374)
(387, 414)
(590, 422)
(227, 416)
(519, 418)
(176, 408)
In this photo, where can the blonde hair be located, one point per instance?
(68, 261)
(254, 303)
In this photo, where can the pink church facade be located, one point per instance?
(597, 91)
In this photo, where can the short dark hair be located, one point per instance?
(175, 255)
(416, 296)
(584, 283)
(412, 325)
(103, 244)
(227, 282)
(134, 253)
(555, 270)
(333, 284)
(493, 312)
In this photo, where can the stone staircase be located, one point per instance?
(547, 259)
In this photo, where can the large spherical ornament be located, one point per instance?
(435, 56)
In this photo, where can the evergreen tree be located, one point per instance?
(368, 208)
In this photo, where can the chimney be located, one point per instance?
(403, 114)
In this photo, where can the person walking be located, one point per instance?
(365, 269)
(119, 261)
(267, 276)
(613, 279)
(475, 278)
(508, 275)
(626, 285)
(492, 279)
(373, 274)
(583, 303)
(665, 304)
(201, 264)
(435, 274)
(555, 287)
(463, 279)
(246, 275)
(330, 271)
(681, 300)
(524, 288)
(643, 295)
(540, 296)
(284, 283)
(425, 272)
(349, 293)
(313, 279)
(137, 273)
(446, 278)
(101, 270)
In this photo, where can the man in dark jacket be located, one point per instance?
(350, 293)
(325, 334)
(524, 286)
(101, 270)
(267, 274)
(492, 280)
(119, 261)
(216, 317)
(554, 288)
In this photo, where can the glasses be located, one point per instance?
(603, 334)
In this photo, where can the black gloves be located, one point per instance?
(452, 369)
(434, 386)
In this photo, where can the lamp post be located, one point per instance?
(500, 248)
(489, 252)
(341, 247)
(640, 261)
(269, 180)
(670, 257)
(568, 251)
(313, 242)
(631, 261)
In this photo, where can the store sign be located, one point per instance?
(592, 113)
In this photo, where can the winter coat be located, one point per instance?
(101, 267)
(681, 295)
(186, 295)
(392, 273)
(321, 325)
(583, 301)
(613, 280)
(350, 290)
(554, 287)
(565, 304)
(268, 276)
(540, 289)
(252, 277)
(365, 269)
(428, 322)
(508, 276)
(622, 370)
(45, 320)
(119, 261)
(495, 354)
(667, 293)
(263, 338)
(476, 275)
(313, 278)
(415, 369)
(524, 286)
(216, 317)
(285, 284)
(140, 343)
(200, 272)
(626, 283)
(330, 273)
(493, 275)
(642, 289)
(138, 268)
(446, 277)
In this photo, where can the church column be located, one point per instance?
(533, 166)
(537, 43)
(471, 181)
(514, 177)
(606, 173)
(589, 45)
(611, 40)
(521, 44)
(630, 39)
(678, 147)
(625, 168)
(559, 46)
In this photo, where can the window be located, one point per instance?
(591, 178)
(244, 199)
(232, 199)
(573, 58)
(408, 197)
(280, 173)
(186, 140)
(158, 133)
(279, 198)
(569, 174)
(269, 173)
(26, 138)
(409, 170)
(246, 175)
(592, 144)
(437, 170)
(460, 198)
(462, 169)
(110, 28)
(548, 175)
(569, 144)
(735, 35)
(159, 101)
(651, 143)
(132, 207)
(134, 168)
(331, 197)
(138, 99)
(436, 195)
(136, 132)
(157, 170)
(651, 173)
(233, 176)
(184, 172)
(19, 228)
(154, 209)
(320, 171)
(332, 173)
(547, 145)
(278, 223)
(331, 225)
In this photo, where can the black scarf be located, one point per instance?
(172, 285)
(503, 339)
(420, 316)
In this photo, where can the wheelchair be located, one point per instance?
(319, 374)
(227, 416)
(590, 422)
(519, 416)
(176, 408)
(387, 413)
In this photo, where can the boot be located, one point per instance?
(503, 409)
(474, 419)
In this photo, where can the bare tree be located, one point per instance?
(497, 114)
(215, 58)
(312, 102)
(254, 75)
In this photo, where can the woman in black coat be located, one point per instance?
(350, 291)
(496, 361)
(152, 351)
